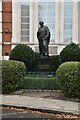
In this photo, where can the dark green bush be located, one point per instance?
(12, 75)
(68, 77)
(40, 83)
(34, 66)
(23, 53)
(0, 76)
(55, 62)
(70, 53)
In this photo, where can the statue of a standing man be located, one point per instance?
(43, 36)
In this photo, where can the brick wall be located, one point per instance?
(6, 27)
(6, 48)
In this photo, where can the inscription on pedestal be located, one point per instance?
(44, 67)
(44, 64)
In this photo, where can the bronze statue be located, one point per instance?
(43, 36)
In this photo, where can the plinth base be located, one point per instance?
(44, 64)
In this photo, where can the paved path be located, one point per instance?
(8, 113)
(53, 105)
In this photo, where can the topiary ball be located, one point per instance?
(70, 53)
(23, 53)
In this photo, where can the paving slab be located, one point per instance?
(44, 104)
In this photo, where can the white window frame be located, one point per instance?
(59, 23)
(22, 23)
(53, 38)
(16, 22)
(68, 38)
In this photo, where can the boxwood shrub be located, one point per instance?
(23, 53)
(34, 66)
(0, 76)
(68, 77)
(70, 53)
(12, 75)
(55, 62)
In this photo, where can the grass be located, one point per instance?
(48, 83)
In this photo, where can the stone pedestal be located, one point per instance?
(44, 64)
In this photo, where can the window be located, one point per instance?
(25, 22)
(68, 21)
(46, 13)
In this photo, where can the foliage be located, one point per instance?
(55, 62)
(34, 66)
(12, 75)
(70, 53)
(48, 83)
(23, 53)
(68, 77)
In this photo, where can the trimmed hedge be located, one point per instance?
(12, 75)
(23, 53)
(55, 62)
(68, 77)
(34, 66)
(0, 76)
(40, 83)
(70, 53)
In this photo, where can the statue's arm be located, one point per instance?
(38, 35)
(48, 33)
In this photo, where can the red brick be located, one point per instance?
(5, 26)
(7, 23)
(6, 49)
(7, 6)
(7, 17)
(6, 37)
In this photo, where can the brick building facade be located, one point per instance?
(19, 24)
(6, 27)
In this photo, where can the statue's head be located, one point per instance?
(41, 23)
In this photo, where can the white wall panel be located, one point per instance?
(0, 6)
(0, 16)
(0, 27)
(0, 37)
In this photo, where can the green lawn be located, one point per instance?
(34, 82)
